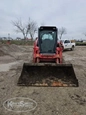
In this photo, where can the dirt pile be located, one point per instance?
(2, 53)
(6, 49)
(10, 48)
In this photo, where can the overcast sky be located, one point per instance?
(70, 14)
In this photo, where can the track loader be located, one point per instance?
(48, 68)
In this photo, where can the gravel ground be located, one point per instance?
(50, 100)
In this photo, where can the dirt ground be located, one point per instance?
(50, 100)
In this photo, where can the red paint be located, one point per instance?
(57, 57)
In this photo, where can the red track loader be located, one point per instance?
(47, 68)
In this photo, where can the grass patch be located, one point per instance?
(80, 43)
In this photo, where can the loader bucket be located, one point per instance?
(58, 75)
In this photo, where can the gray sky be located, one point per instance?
(70, 14)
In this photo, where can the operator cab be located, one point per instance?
(47, 39)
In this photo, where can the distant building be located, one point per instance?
(18, 38)
(84, 41)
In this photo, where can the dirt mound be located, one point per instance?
(15, 48)
(10, 48)
(1, 53)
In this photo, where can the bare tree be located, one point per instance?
(20, 27)
(29, 28)
(62, 31)
(32, 28)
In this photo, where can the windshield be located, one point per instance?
(48, 41)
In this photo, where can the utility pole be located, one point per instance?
(8, 36)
